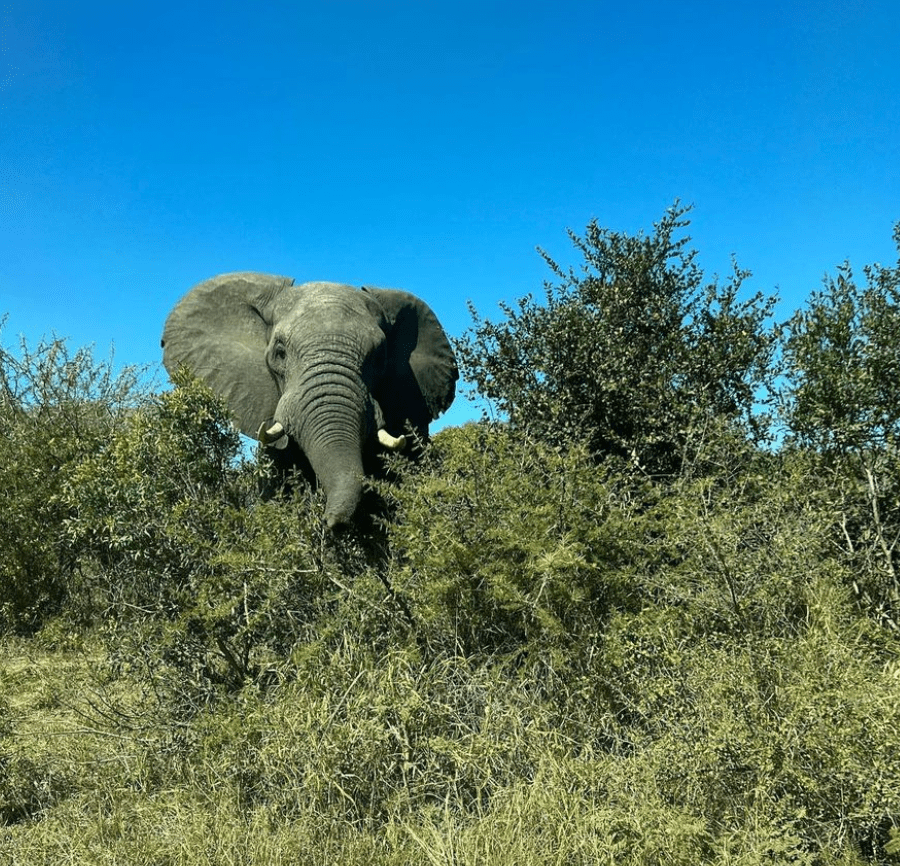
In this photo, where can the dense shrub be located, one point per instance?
(506, 544)
(57, 407)
(633, 352)
(695, 642)
(840, 403)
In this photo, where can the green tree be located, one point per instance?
(633, 352)
(842, 363)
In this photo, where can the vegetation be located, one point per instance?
(56, 408)
(652, 617)
(633, 352)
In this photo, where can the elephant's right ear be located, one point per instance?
(219, 331)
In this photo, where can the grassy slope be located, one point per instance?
(241, 785)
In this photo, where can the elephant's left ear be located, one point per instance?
(422, 371)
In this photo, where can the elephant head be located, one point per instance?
(325, 368)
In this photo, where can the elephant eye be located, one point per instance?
(279, 354)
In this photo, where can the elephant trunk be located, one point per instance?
(340, 472)
(326, 415)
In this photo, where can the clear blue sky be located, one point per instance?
(427, 145)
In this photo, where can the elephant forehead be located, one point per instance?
(324, 305)
(325, 289)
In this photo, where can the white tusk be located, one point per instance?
(272, 435)
(392, 443)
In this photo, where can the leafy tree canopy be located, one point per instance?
(634, 352)
(842, 361)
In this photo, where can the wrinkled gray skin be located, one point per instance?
(318, 368)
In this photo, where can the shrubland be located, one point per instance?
(57, 406)
(649, 617)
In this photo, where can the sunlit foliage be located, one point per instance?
(632, 351)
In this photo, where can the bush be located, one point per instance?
(840, 403)
(507, 544)
(57, 407)
(693, 644)
(633, 353)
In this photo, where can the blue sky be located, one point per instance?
(427, 145)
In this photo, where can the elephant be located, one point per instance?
(324, 375)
